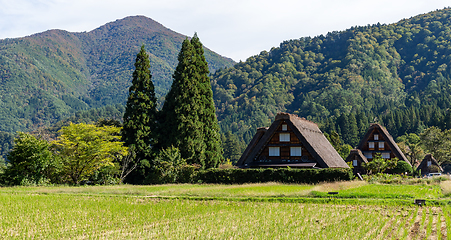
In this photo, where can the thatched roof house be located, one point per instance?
(290, 141)
(429, 165)
(378, 140)
(357, 159)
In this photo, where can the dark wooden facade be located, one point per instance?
(429, 165)
(377, 140)
(285, 148)
(290, 141)
(357, 160)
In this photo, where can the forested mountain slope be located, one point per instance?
(373, 70)
(49, 75)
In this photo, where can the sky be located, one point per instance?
(237, 29)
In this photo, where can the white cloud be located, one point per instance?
(235, 28)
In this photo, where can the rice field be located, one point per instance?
(133, 212)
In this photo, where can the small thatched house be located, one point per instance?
(290, 141)
(429, 165)
(377, 140)
(357, 159)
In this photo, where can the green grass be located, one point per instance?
(258, 211)
(118, 217)
(390, 191)
(198, 190)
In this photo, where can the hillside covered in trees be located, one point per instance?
(396, 74)
(49, 76)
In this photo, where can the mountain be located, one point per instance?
(48, 76)
(372, 70)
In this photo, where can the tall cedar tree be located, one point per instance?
(140, 117)
(214, 150)
(188, 115)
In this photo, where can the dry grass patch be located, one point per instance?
(446, 187)
(338, 186)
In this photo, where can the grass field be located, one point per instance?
(224, 212)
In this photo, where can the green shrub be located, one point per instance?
(170, 167)
(402, 167)
(285, 175)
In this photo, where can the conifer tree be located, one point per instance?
(207, 115)
(188, 115)
(140, 115)
(180, 120)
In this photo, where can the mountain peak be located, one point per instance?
(133, 22)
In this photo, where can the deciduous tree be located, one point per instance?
(30, 161)
(84, 148)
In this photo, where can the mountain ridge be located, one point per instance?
(373, 70)
(49, 75)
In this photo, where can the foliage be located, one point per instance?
(140, 117)
(402, 167)
(85, 148)
(380, 165)
(438, 143)
(285, 175)
(30, 162)
(232, 147)
(227, 164)
(207, 115)
(397, 75)
(6, 144)
(188, 116)
(410, 145)
(335, 141)
(106, 175)
(434, 169)
(172, 168)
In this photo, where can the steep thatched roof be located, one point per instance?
(427, 158)
(356, 154)
(308, 133)
(387, 137)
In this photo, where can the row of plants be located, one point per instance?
(34, 216)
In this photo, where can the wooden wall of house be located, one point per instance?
(386, 148)
(284, 148)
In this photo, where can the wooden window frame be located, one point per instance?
(296, 150)
(284, 127)
(275, 151)
(283, 137)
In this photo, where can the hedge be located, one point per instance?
(285, 175)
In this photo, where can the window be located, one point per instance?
(274, 151)
(284, 137)
(295, 151)
(376, 136)
(284, 127)
(371, 145)
(429, 163)
(386, 155)
(381, 145)
(354, 163)
(368, 155)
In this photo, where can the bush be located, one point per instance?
(285, 175)
(170, 167)
(402, 167)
